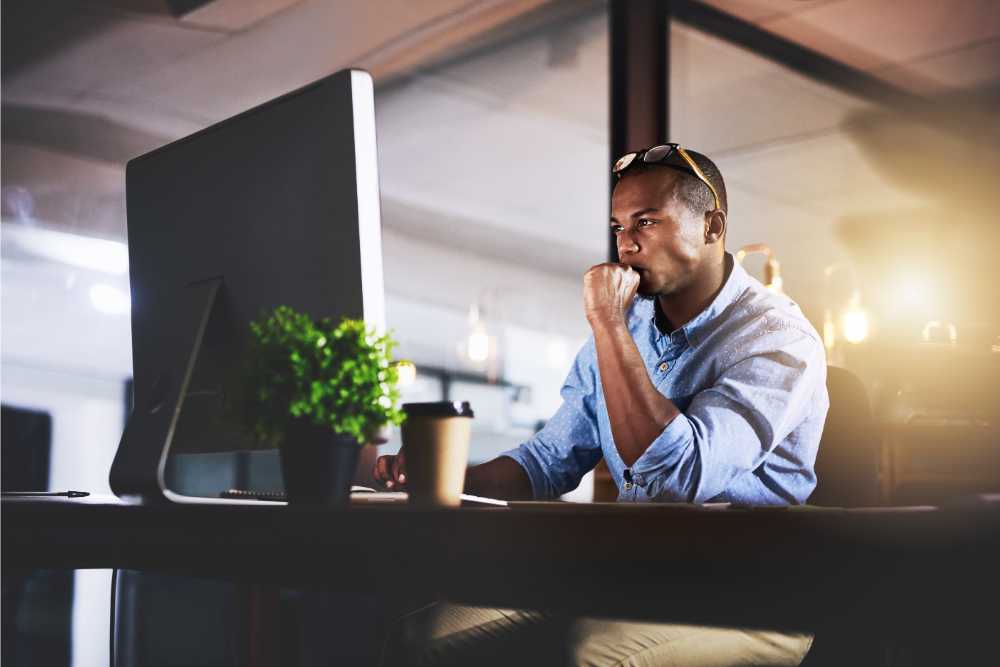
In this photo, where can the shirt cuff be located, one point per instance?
(534, 471)
(663, 456)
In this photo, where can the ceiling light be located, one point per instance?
(84, 252)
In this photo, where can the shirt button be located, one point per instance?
(628, 486)
(664, 366)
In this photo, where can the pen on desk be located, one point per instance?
(42, 494)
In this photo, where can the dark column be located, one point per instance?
(638, 52)
(638, 60)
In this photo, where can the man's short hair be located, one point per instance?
(690, 189)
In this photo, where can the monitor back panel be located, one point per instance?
(281, 203)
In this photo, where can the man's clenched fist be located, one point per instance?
(608, 290)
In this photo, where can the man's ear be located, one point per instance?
(715, 226)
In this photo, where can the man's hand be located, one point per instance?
(391, 471)
(608, 290)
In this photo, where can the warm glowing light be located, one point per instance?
(916, 293)
(912, 294)
(109, 299)
(406, 373)
(855, 322)
(478, 344)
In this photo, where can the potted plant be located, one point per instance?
(319, 392)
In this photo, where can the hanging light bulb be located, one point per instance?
(477, 343)
(406, 373)
(477, 346)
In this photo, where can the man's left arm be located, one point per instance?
(638, 412)
(730, 428)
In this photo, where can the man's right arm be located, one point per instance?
(503, 477)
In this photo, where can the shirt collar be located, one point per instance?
(699, 325)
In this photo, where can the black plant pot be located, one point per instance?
(318, 465)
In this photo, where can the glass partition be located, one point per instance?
(493, 167)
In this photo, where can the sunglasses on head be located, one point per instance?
(670, 155)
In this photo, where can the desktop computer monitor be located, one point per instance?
(278, 205)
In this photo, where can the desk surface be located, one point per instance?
(795, 568)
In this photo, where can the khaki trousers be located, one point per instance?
(445, 634)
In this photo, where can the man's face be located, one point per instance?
(658, 235)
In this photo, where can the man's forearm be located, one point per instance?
(637, 411)
(503, 477)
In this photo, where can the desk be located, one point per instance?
(794, 568)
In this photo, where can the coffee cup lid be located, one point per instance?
(438, 409)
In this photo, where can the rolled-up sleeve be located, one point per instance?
(558, 456)
(730, 427)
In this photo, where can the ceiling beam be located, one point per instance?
(73, 133)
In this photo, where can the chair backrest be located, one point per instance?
(848, 459)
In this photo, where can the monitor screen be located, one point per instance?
(278, 205)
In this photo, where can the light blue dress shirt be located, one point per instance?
(749, 377)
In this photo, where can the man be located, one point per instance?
(698, 385)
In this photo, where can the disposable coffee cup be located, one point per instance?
(436, 443)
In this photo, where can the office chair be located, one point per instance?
(848, 459)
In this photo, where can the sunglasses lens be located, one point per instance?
(623, 162)
(657, 154)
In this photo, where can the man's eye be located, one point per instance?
(616, 228)
(646, 222)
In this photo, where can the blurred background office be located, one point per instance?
(858, 139)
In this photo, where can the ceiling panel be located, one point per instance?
(117, 49)
(724, 98)
(291, 49)
(971, 67)
(560, 73)
(874, 33)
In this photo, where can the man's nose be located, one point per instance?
(627, 245)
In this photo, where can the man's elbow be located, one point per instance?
(680, 483)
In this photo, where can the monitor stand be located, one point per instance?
(137, 474)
